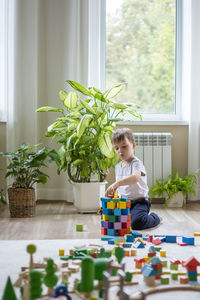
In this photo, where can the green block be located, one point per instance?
(112, 219)
(174, 275)
(158, 272)
(157, 248)
(192, 278)
(164, 262)
(173, 266)
(79, 227)
(164, 280)
(115, 200)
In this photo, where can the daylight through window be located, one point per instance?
(141, 52)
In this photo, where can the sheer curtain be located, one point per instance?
(48, 43)
(194, 87)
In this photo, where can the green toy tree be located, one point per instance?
(31, 249)
(35, 283)
(50, 279)
(119, 253)
(9, 293)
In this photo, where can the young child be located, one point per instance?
(131, 180)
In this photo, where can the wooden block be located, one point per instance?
(61, 252)
(162, 253)
(184, 279)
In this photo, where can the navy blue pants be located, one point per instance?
(140, 217)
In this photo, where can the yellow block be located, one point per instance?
(133, 252)
(121, 205)
(163, 253)
(111, 205)
(167, 272)
(196, 234)
(105, 217)
(181, 272)
(146, 259)
(61, 252)
(139, 239)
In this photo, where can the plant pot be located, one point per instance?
(21, 202)
(177, 200)
(87, 195)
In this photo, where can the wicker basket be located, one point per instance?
(21, 202)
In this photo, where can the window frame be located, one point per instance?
(153, 118)
(3, 59)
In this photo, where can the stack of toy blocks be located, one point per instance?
(116, 217)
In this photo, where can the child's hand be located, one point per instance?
(111, 189)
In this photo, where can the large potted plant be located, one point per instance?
(25, 169)
(175, 188)
(84, 127)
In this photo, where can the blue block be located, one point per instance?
(104, 205)
(111, 241)
(105, 199)
(127, 245)
(170, 239)
(125, 211)
(138, 245)
(188, 240)
(163, 239)
(136, 234)
(117, 212)
(130, 238)
(107, 211)
(111, 232)
(102, 222)
(191, 274)
(124, 199)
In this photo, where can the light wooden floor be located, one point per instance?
(57, 220)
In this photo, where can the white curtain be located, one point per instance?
(193, 84)
(49, 42)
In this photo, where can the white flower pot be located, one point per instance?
(177, 200)
(87, 195)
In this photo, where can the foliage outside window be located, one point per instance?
(140, 51)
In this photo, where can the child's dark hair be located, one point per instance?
(120, 134)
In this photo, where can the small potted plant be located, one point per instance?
(25, 168)
(84, 127)
(175, 188)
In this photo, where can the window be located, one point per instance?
(141, 52)
(2, 60)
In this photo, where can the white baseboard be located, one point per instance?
(55, 194)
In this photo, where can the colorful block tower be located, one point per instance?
(191, 265)
(116, 217)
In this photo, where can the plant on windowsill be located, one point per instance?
(25, 168)
(174, 188)
(84, 129)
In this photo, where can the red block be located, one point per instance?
(157, 242)
(150, 239)
(157, 267)
(128, 204)
(104, 231)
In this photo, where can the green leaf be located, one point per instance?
(77, 162)
(113, 92)
(49, 108)
(105, 145)
(84, 122)
(88, 107)
(63, 95)
(71, 100)
(118, 106)
(78, 87)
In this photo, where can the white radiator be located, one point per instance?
(154, 149)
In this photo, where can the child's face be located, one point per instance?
(125, 149)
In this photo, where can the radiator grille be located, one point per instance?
(154, 149)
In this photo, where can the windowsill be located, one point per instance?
(158, 122)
